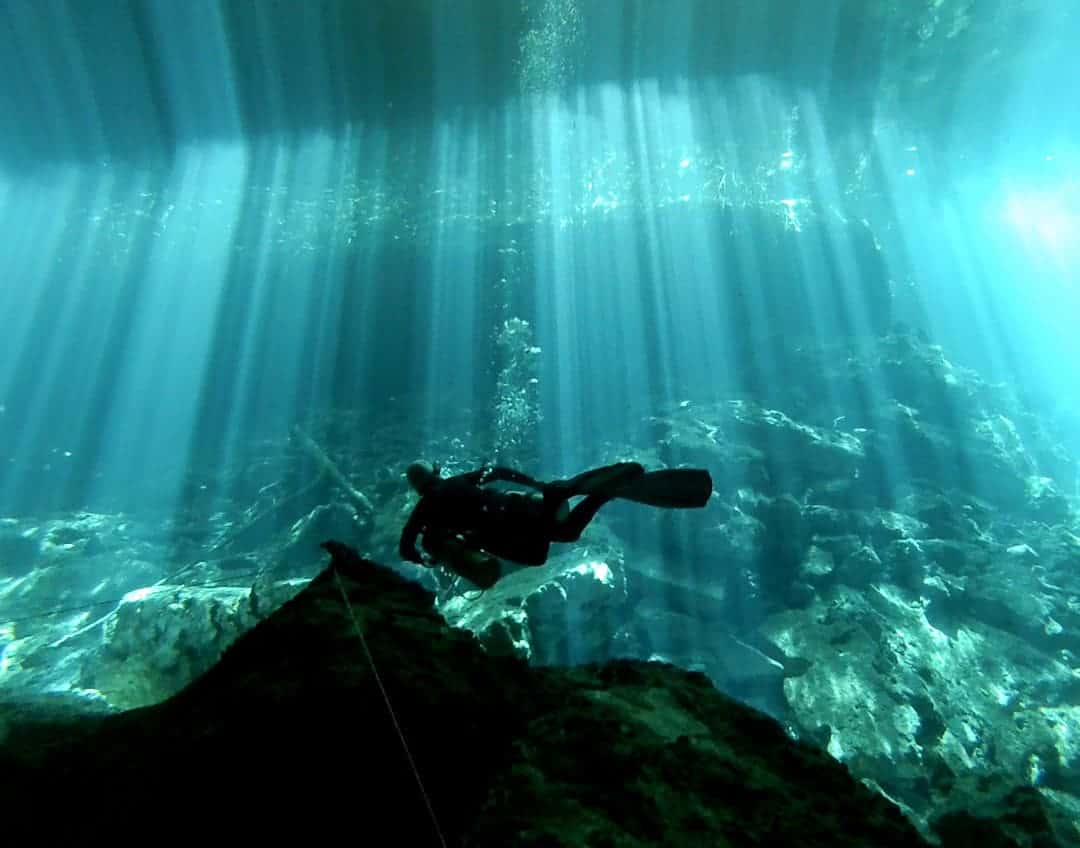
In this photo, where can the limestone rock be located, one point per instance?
(355, 696)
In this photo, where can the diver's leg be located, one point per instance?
(600, 485)
(556, 503)
(606, 480)
(570, 528)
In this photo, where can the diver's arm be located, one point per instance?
(407, 546)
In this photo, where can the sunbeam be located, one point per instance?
(738, 337)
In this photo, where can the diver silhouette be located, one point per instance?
(467, 527)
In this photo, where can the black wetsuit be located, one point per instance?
(509, 525)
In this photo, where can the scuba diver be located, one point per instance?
(467, 527)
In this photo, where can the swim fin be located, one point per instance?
(675, 488)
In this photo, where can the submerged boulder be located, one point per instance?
(917, 711)
(356, 697)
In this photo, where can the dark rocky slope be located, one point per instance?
(291, 727)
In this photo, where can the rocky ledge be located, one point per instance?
(377, 716)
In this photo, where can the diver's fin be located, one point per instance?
(677, 488)
(608, 480)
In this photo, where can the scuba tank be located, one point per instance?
(479, 568)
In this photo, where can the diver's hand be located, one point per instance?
(412, 556)
(427, 560)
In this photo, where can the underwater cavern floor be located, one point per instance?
(923, 636)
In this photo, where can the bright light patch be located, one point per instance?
(598, 569)
(910, 172)
(1046, 220)
(136, 595)
(685, 163)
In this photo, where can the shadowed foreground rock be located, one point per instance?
(291, 727)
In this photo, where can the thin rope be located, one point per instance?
(390, 708)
